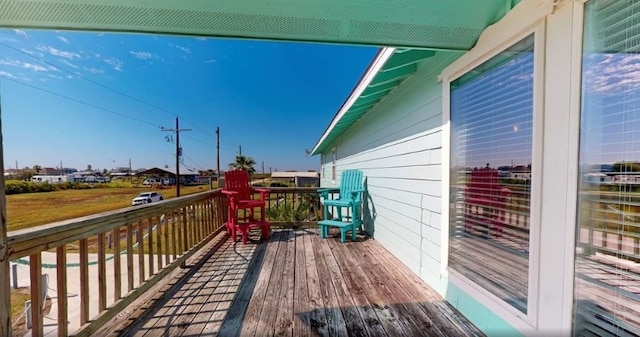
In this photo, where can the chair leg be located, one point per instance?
(321, 228)
(343, 234)
(265, 231)
(353, 232)
(233, 233)
(245, 235)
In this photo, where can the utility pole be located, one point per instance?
(218, 154)
(178, 153)
(130, 172)
(263, 167)
(240, 150)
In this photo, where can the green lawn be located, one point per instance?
(32, 209)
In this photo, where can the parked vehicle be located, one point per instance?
(146, 198)
(151, 181)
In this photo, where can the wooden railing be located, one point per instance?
(294, 206)
(611, 224)
(131, 249)
(140, 245)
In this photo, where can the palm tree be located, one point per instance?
(244, 163)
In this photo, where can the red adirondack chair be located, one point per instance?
(485, 201)
(242, 204)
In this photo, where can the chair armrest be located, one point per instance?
(229, 193)
(263, 192)
(324, 192)
(354, 193)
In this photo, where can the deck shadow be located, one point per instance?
(385, 319)
(179, 288)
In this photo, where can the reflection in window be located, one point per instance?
(491, 151)
(607, 265)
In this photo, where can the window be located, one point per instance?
(607, 260)
(323, 161)
(491, 114)
(334, 158)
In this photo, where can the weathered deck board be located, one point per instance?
(300, 285)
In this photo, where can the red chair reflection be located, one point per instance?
(485, 203)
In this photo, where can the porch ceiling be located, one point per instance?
(451, 24)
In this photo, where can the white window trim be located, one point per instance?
(493, 41)
(573, 161)
(323, 159)
(334, 164)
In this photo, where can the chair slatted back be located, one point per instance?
(238, 181)
(351, 180)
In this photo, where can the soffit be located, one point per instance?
(451, 24)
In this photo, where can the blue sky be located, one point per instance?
(85, 98)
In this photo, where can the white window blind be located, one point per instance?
(607, 268)
(491, 153)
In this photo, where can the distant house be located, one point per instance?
(50, 171)
(300, 179)
(545, 85)
(186, 178)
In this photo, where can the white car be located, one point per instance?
(146, 198)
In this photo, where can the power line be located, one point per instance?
(104, 86)
(191, 160)
(79, 101)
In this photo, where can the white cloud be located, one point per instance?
(35, 67)
(7, 74)
(183, 49)
(24, 65)
(70, 64)
(608, 73)
(94, 71)
(32, 53)
(143, 55)
(210, 61)
(21, 33)
(57, 52)
(115, 63)
(62, 38)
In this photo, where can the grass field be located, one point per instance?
(32, 209)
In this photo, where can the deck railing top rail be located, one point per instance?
(25, 242)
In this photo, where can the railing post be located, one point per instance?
(5, 286)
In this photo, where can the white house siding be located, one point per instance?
(398, 146)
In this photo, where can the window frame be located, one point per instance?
(323, 159)
(334, 159)
(520, 320)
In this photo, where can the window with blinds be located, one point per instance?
(607, 262)
(491, 163)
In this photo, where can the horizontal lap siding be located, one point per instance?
(398, 146)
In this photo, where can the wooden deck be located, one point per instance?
(297, 285)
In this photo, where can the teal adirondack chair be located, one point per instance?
(349, 202)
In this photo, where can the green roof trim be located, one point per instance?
(397, 65)
(390, 68)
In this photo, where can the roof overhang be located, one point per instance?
(450, 24)
(388, 69)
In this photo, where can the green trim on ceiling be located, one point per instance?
(402, 64)
(398, 67)
(450, 24)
